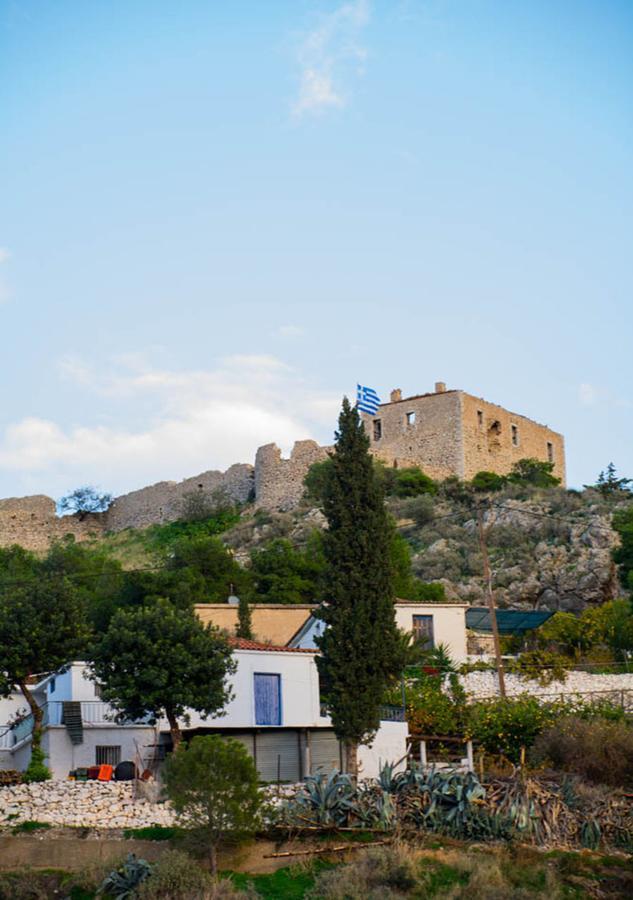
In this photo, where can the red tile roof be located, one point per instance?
(243, 644)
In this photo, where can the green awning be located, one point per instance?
(509, 621)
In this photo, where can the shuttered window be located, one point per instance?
(107, 755)
(267, 699)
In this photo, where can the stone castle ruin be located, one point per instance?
(447, 432)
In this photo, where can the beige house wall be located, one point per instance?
(273, 623)
(494, 439)
(433, 441)
(449, 624)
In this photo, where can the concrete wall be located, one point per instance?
(449, 624)
(494, 439)
(279, 482)
(389, 745)
(432, 441)
(64, 756)
(299, 690)
(271, 622)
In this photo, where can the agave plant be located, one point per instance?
(323, 800)
(121, 884)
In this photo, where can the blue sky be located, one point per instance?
(216, 217)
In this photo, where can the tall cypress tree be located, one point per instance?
(362, 651)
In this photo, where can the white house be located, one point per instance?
(275, 712)
(429, 623)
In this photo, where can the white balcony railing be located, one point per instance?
(93, 712)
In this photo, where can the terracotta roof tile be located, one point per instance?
(243, 644)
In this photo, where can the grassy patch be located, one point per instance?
(438, 877)
(151, 833)
(291, 883)
(29, 826)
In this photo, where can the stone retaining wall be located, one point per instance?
(485, 684)
(92, 804)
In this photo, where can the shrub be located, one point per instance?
(541, 666)
(37, 770)
(487, 482)
(30, 825)
(505, 726)
(213, 786)
(432, 711)
(534, 473)
(388, 872)
(175, 877)
(408, 482)
(598, 750)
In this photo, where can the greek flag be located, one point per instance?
(367, 400)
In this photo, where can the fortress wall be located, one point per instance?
(495, 439)
(279, 482)
(433, 441)
(163, 502)
(32, 523)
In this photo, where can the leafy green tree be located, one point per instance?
(487, 482)
(534, 473)
(97, 577)
(362, 651)
(283, 574)
(210, 568)
(623, 555)
(42, 628)
(406, 586)
(213, 787)
(244, 623)
(160, 660)
(84, 500)
(315, 480)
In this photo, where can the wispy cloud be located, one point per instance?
(184, 422)
(328, 55)
(592, 395)
(5, 254)
(291, 331)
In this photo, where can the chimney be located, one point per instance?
(396, 395)
(440, 387)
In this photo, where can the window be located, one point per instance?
(480, 418)
(515, 436)
(550, 452)
(410, 418)
(423, 631)
(108, 755)
(267, 699)
(97, 690)
(52, 686)
(377, 429)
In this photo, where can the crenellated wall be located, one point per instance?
(279, 482)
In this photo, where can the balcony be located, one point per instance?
(387, 713)
(94, 713)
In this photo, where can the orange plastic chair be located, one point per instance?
(105, 773)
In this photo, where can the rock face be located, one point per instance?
(540, 558)
(92, 804)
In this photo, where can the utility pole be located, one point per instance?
(491, 598)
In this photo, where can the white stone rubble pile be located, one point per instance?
(485, 684)
(93, 804)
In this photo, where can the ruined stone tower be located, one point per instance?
(450, 432)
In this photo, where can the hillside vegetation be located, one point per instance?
(549, 547)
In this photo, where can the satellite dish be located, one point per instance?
(233, 600)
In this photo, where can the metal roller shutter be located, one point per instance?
(244, 737)
(325, 752)
(277, 755)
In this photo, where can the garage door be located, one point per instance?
(325, 752)
(277, 755)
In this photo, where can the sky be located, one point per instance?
(216, 218)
